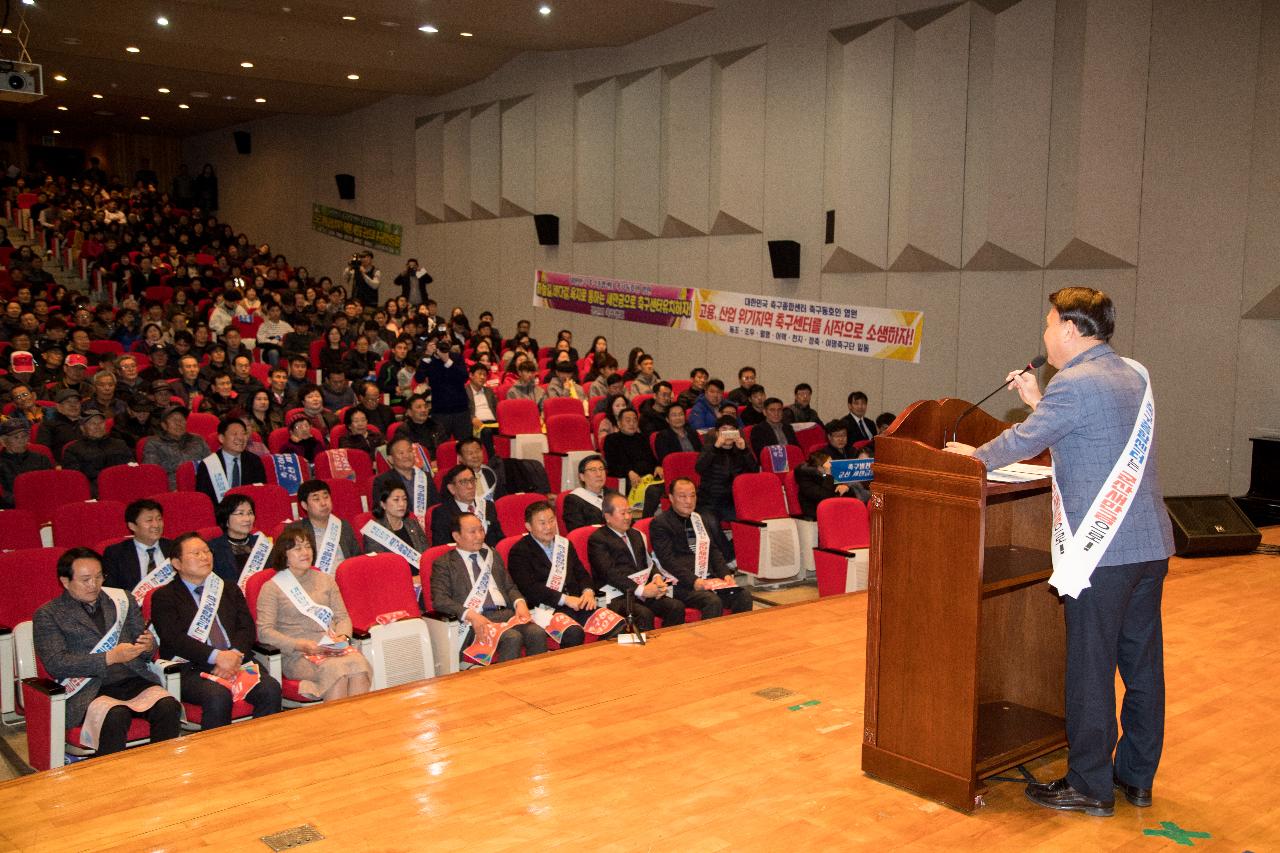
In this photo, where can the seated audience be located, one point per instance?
(334, 537)
(800, 412)
(678, 436)
(217, 646)
(490, 482)
(301, 612)
(773, 430)
(549, 574)
(746, 381)
(126, 564)
(861, 428)
(369, 401)
(61, 426)
(419, 426)
(393, 528)
(460, 483)
(239, 553)
(698, 378)
(526, 386)
(653, 413)
(15, 435)
(686, 544)
(754, 412)
(583, 506)
(706, 409)
(417, 482)
(116, 686)
(173, 446)
(231, 465)
(620, 563)
(301, 441)
(838, 446)
(646, 378)
(723, 459)
(358, 436)
(470, 583)
(94, 450)
(815, 485)
(628, 457)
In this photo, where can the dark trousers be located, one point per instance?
(643, 610)
(456, 425)
(1115, 623)
(164, 717)
(215, 700)
(574, 636)
(528, 637)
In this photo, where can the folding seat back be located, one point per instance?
(277, 439)
(766, 539)
(568, 441)
(18, 530)
(380, 598)
(505, 545)
(86, 523)
(446, 633)
(186, 476)
(680, 464)
(679, 386)
(811, 438)
(578, 539)
(130, 482)
(101, 347)
(289, 687)
(786, 457)
(349, 498)
(42, 492)
(553, 406)
(842, 557)
(28, 579)
(511, 511)
(203, 423)
(447, 454)
(564, 531)
(272, 504)
(286, 465)
(520, 423)
(185, 512)
(344, 464)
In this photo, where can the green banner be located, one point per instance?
(371, 233)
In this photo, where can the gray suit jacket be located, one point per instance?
(64, 634)
(451, 582)
(1085, 417)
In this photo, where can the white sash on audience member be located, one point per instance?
(1076, 554)
(482, 486)
(559, 564)
(108, 642)
(298, 597)
(217, 475)
(419, 494)
(701, 546)
(257, 560)
(387, 538)
(156, 578)
(328, 546)
(206, 610)
(589, 496)
(480, 588)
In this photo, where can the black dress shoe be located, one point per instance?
(1140, 797)
(1061, 796)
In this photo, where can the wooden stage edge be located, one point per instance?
(673, 746)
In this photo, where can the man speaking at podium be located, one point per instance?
(1110, 545)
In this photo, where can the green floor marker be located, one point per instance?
(803, 705)
(1177, 833)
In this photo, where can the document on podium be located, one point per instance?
(1019, 472)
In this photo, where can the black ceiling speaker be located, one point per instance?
(244, 143)
(784, 257)
(548, 226)
(346, 186)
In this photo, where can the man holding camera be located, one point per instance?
(445, 370)
(362, 278)
(413, 278)
(724, 457)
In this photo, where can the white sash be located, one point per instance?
(217, 475)
(387, 538)
(257, 560)
(559, 564)
(419, 495)
(589, 496)
(298, 597)
(156, 578)
(482, 486)
(207, 610)
(1076, 554)
(328, 546)
(108, 642)
(479, 511)
(479, 589)
(701, 546)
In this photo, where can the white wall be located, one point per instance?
(976, 160)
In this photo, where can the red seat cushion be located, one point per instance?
(138, 730)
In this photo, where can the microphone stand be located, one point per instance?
(630, 621)
(1036, 363)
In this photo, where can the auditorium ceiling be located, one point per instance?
(224, 62)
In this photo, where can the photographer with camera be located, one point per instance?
(724, 457)
(413, 278)
(362, 278)
(443, 367)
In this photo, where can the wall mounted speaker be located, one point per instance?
(1210, 524)
(346, 186)
(244, 143)
(548, 227)
(784, 257)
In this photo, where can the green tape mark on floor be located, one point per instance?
(803, 705)
(1172, 831)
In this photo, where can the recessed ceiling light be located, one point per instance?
(96, 95)
(466, 35)
(353, 76)
(6, 32)
(145, 118)
(427, 28)
(246, 64)
(259, 100)
(162, 21)
(164, 90)
(132, 49)
(228, 97)
(29, 3)
(348, 17)
(57, 131)
(544, 9)
(199, 94)
(61, 78)
(389, 23)
(184, 107)
(62, 108)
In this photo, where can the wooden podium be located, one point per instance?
(966, 646)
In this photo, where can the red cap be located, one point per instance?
(77, 360)
(22, 362)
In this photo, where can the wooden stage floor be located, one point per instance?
(672, 747)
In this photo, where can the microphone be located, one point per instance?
(1035, 364)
